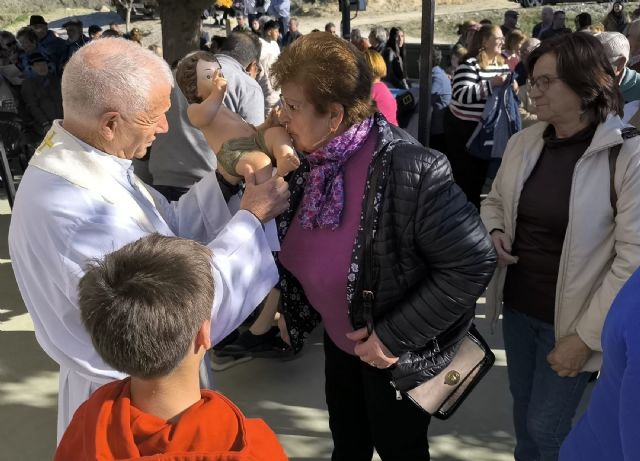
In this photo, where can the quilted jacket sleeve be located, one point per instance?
(459, 255)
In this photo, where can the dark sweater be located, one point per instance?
(543, 215)
(550, 33)
(43, 99)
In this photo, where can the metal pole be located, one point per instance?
(7, 175)
(426, 64)
(346, 19)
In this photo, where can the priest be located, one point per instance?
(79, 200)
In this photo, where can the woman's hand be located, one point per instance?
(371, 350)
(273, 119)
(569, 356)
(498, 80)
(503, 248)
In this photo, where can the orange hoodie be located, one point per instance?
(107, 428)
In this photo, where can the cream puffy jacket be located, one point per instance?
(599, 253)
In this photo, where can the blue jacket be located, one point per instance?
(440, 98)
(500, 120)
(279, 8)
(56, 48)
(72, 47)
(609, 428)
(27, 69)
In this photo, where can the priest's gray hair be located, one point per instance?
(111, 75)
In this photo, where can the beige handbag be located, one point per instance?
(441, 395)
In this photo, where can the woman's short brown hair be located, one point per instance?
(330, 70)
(376, 62)
(582, 64)
(187, 75)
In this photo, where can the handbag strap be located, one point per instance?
(614, 152)
(370, 273)
(613, 195)
(370, 268)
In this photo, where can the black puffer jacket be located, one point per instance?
(433, 256)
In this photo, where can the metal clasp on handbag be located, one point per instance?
(452, 378)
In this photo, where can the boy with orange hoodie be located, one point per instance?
(147, 308)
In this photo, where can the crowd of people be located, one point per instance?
(31, 65)
(575, 91)
(485, 55)
(273, 181)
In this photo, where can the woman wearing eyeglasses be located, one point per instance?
(479, 74)
(428, 258)
(564, 217)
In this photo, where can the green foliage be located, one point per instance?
(8, 19)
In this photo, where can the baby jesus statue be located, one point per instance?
(241, 148)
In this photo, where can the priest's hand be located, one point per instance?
(267, 200)
(371, 350)
(569, 356)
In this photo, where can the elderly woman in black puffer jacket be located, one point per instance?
(429, 259)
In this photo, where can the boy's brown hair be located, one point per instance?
(144, 303)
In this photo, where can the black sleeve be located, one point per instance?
(459, 255)
(33, 104)
(228, 189)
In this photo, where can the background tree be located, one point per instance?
(127, 6)
(181, 22)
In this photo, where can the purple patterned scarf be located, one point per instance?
(324, 191)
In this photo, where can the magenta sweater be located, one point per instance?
(320, 258)
(385, 101)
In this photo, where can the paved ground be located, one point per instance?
(288, 395)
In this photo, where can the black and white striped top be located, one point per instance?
(471, 88)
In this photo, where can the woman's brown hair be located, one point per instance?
(330, 70)
(581, 63)
(514, 41)
(187, 75)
